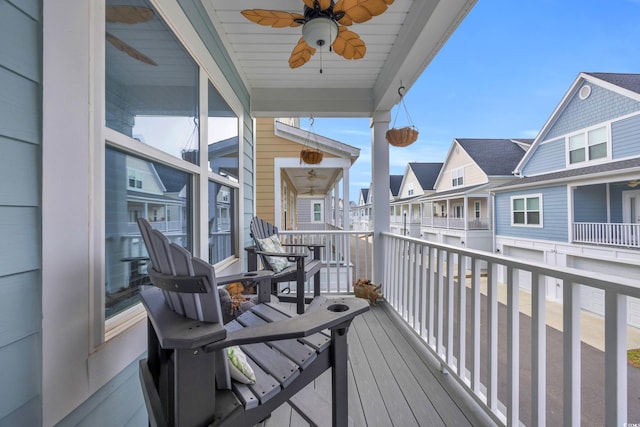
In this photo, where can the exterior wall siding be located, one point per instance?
(20, 213)
(554, 211)
(624, 137)
(460, 160)
(601, 106)
(590, 203)
(548, 157)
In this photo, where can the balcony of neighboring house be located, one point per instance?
(606, 214)
(458, 213)
(457, 341)
(405, 217)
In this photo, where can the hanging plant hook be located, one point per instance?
(406, 135)
(400, 89)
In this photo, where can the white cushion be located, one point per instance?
(272, 244)
(239, 368)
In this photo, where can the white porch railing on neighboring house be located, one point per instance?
(347, 256)
(422, 284)
(612, 234)
(456, 223)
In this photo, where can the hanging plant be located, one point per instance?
(402, 137)
(309, 154)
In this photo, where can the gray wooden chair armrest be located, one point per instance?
(291, 256)
(332, 314)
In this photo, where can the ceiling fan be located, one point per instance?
(324, 26)
(312, 175)
(128, 15)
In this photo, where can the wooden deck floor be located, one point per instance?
(392, 382)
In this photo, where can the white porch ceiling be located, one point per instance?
(400, 44)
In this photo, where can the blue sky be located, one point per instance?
(501, 75)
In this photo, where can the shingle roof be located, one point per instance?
(365, 194)
(173, 180)
(395, 181)
(574, 173)
(426, 173)
(627, 81)
(494, 156)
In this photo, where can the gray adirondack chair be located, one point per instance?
(185, 378)
(304, 265)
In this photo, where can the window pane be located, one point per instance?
(518, 204)
(223, 136)
(518, 217)
(154, 101)
(598, 151)
(533, 204)
(576, 141)
(221, 222)
(533, 217)
(577, 156)
(164, 198)
(598, 136)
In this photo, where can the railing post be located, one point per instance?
(492, 337)
(513, 348)
(571, 353)
(538, 350)
(615, 322)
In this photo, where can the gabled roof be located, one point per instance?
(623, 83)
(426, 173)
(365, 194)
(630, 165)
(496, 157)
(395, 181)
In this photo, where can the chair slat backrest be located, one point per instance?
(261, 229)
(172, 259)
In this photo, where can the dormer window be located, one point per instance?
(457, 177)
(588, 146)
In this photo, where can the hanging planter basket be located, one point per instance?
(311, 156)
(404, 136)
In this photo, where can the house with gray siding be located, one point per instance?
(576, 200)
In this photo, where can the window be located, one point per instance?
(457, 177)
(410, 189)
(222, 208)
(526, 210)
(588, 146)
(316, 212)
(477, 209)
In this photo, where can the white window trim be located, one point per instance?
(456, 174)
(585, 132)
(313, 203)
(525, 197)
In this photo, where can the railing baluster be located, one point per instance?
(538, 350)
(431, 280)
(615, 323)
(440, 318)
(450, 307)
(571, 353)
(409, 285)
(417, 267)
(462, 315)
(423, 292)
(475, 324)
(513, 347)
(492, 337)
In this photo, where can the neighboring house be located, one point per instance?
(395, 182)
(294, 195)
(406, 210)
(577, 201)
(362, 211)
(459, 211)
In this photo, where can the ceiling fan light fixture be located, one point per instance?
(320, 33)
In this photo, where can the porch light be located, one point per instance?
(320, 33)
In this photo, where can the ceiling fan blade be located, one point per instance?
(128, 14)
(348, 44)
(132, 52)
(301, 54)
(359, 11)
(273, 18)
(324, 4)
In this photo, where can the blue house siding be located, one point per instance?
(550, 156)
(601, 106)
(590, 203)
(119, 403)
(20, 213)
(624, 137)
(554, 211)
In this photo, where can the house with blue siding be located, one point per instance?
(576, 201)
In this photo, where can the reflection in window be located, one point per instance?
(164, 198)
(221, 222)
(154, 101)
(223, 137)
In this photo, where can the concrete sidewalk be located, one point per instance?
(591, 325)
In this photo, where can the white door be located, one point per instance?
(631, 215)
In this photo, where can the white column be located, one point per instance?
(380, 188)
(346, 217)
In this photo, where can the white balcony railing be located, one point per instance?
(423, 284)
(456, 223)
(611, 234)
